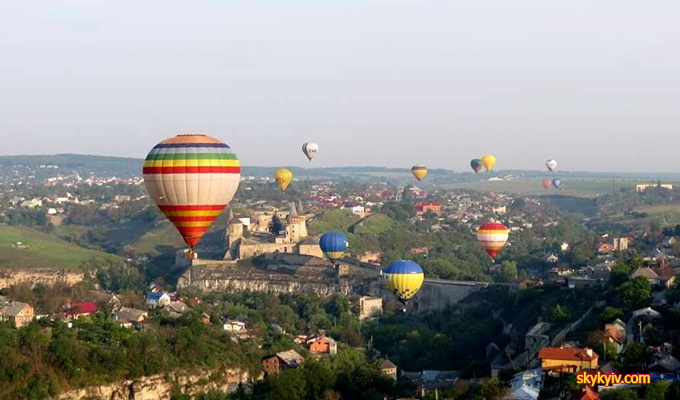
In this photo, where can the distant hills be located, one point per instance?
(125, 167)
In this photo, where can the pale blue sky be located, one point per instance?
(593, 84)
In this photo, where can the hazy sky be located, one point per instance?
(593, 84)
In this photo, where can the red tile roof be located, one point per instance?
(553, 353)
(585, 394)
(85, 307)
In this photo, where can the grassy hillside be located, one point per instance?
(374, 225)
(336, 220)
(43, 250)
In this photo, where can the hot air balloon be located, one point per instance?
(283, 178)
(492, 236)
(547, 184)
(557, 183)
(419, 171)
(404, 279)
(310, 149)
(333, 245)
(551, 164)
(476, 165)
(191, 178)
(488, 161)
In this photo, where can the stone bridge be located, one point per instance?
(437, 294)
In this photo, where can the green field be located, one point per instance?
(667, 214)
(581, 187)
(43, 251)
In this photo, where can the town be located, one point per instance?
(570, 293)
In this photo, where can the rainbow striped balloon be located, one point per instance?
(191, 178)
(492, 236)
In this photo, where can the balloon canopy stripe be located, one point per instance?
(191, 145)
(207, 207)
(190, 156)
(191, 163)
(191, 170)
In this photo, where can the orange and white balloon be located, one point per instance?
(492, 236)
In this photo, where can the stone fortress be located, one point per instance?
(248, 237)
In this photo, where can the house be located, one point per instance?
(561, 360)
(370, 307)
(427, 206)
(615, 333)
(525, 385)
(665, 273)
(234, 326)
(15, 311)
(176, 308)
(429, 381)
(604, 248)
(282, 361)
(323, 346)
(586, 393)
(648, 274)
(664, 364)
(81, 309)
(129, 317)
(646, 313)
(388, 368)
(355, 208)
(157, 299)
(552, 258)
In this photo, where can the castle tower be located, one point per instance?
(234, 237)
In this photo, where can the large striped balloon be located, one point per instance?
(492, 236)
(191, 178)
(404, 279)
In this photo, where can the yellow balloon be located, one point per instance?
(283, 178)
(419, 171)
(488, 161)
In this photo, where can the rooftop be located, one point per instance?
(554, 353)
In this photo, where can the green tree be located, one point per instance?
(508, 271)
(636, 293)
(609, 314)
(288, 385)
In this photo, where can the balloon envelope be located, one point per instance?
(283, 178)
(547, 183)
(404, 279)
(488, 161)
(557, 183)
(334, 245)
(492, 236)
(476, 165)
(310, 149)
(551, 164)
(191, 178)
(419, 171)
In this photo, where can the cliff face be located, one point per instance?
(235, 279)
(160, 387)
(34, 276)
(279, 274)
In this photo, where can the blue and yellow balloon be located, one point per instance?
(333, 245)
(404, 279)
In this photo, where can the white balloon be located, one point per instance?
(310, 149)
(551, 164)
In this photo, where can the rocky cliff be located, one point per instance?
(280, 274)
(161, 387)
(34, 276)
